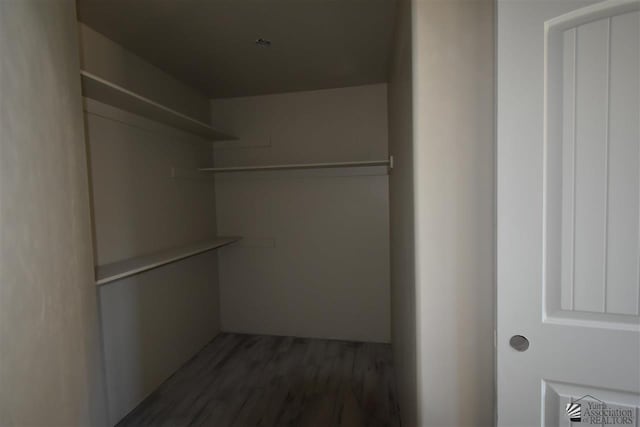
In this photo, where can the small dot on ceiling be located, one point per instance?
(263, 42)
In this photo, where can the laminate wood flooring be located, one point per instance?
(267, 381)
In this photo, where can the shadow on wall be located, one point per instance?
(150, 323)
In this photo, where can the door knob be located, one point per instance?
(519, 343)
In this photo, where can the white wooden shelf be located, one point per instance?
(118, 270)
(300, 166)
(109, 93)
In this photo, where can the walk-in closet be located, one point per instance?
(245, 212)
(240, 205)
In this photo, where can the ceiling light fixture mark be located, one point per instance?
(263, 42)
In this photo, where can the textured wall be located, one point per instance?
(315, 258)
(454, 206)
(49, 373)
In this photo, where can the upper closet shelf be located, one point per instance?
(109, 93)
(119, 270)
(301, 166)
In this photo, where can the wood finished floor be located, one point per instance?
(252, 380)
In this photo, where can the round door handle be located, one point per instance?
(519, 343)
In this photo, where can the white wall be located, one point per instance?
(401, 204)
(49, 373)
(453, 56)
(315, 258)
(155, 321)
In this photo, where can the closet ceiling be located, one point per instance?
(210, 44)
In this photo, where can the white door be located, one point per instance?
(568, 180)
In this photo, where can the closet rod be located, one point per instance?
(301, 166)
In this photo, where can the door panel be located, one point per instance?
(559, 395)
(568, 208)
(594, 159)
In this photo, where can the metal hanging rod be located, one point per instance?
(388, 163)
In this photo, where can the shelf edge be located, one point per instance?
(140, 98)
(222, 241)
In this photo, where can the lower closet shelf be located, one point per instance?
(118, 270)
